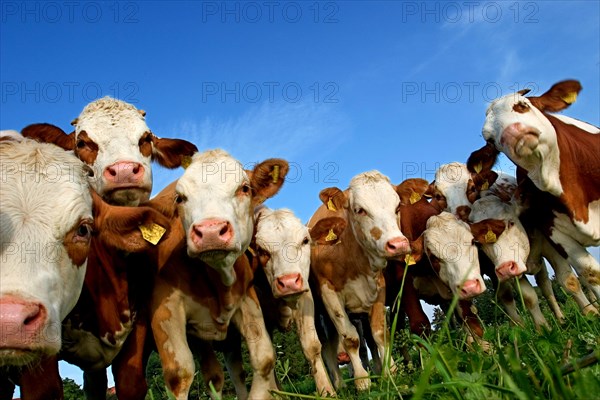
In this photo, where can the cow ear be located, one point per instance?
(328, 230)
(333, 198)
(411, 190)
(560, 96)
(482, 159)
(267, 178)
(131, 229)
(487, 231)
(484, 180)
(172, 153)
(48, 133)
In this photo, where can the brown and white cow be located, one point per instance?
(559, 157)
(206, 280)
(347, 268)
(50, 224)
(280, 258)
(112, 138)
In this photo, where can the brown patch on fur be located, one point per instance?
(593, 277)
(521, 107)
(572, 283)
(376, 233)
(85, 148)
(145, 144)
(78, 245)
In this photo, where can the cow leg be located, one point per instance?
(95, 384)
(567, 279)
(505, 295)
(381, 335)
(212, 371)
(417, 319)
(42, 382)
(168, 326)
(304, 316)
(250, 322)
(543, 282)
(371, 344)
(532, 302)
(350, 340)
(584, 263)
(129, 366)
(232, 353)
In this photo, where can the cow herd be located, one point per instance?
(97, 273)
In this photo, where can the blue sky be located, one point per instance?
(336, 88)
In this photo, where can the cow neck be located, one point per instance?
(579, 168)
(364, 261)
(105, 293)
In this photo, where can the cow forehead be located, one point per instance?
(48, 189)
(491, 207)
(276, 227)
(452, 176)
(372, 188)
(444, 232)
(215, 168)
(107, 119)
(509, 109)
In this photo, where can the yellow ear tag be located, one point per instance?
(409, 260)
(478, 168)
(490, 237)
(330, 236)
(186, 161)
(152, 233)
(275, 173)
(414, 197)
(569, 98)
(330, 205)
(485, 186)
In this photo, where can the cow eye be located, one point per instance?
(179, 198)
(305, 241)
(438, 196)
(245, 188)
(80, 144)
(360, 211)
(84, 232)
(511, 223)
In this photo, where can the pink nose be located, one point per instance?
(212, 234)
(124, 172)
(470, 289)
(21, 323)
(397, 246)
(289, 284)
(508, 270)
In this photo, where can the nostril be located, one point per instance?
(112, 172)
(136, 169)
(198, 231)
(224, 230)
(298, 280)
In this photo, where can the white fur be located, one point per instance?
(452, 181)
(451, 240)
(44, 195)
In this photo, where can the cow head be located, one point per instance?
(516, 126)
(282, 245)
(47, 221)
(371, 204)
(455, 188)
(216, 198)
(112, 137)
(451, 249)
(502, 237)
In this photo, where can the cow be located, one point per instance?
(205, 278)
(347, 268)
(280, 259)
(113, 139)
(558, 170)
(50, 222)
